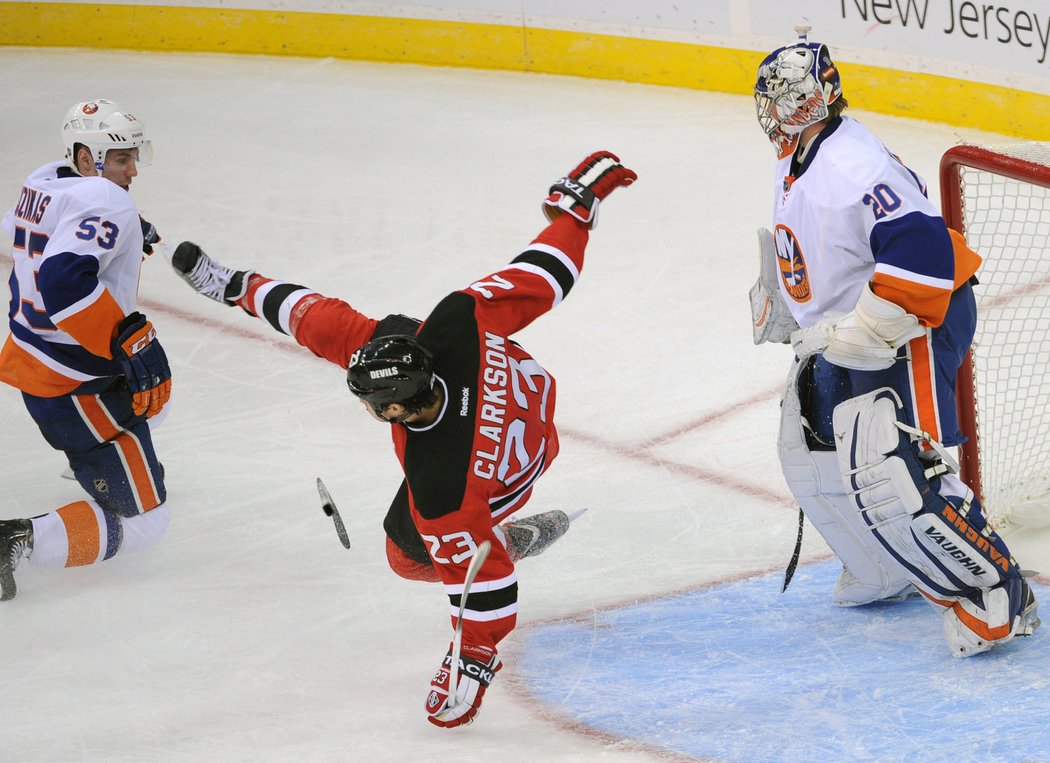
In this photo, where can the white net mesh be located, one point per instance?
(1007, 221)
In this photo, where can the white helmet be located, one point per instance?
(102, 125)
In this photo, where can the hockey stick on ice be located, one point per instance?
(790, 571)
(328, 507)
(480, 555)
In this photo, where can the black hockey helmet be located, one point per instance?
(392, 369)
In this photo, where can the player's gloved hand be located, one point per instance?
(771, 320)
(579, 192)
(865, 339)
(144, 363)
(149, 235)
(477, 667)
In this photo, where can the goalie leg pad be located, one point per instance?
(944, 543)
(870, 573)
(887, 482)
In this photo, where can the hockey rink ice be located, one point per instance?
(654, 631)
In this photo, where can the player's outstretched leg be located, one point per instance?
(531, 536)
(16, 543)
(207, 276)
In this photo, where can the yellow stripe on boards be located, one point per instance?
(488, 46)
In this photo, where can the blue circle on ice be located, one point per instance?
(742, 673)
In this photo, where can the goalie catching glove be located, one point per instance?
(144, 363)
(771, 321)
(579, 192)
(865, 339)
(478, 665)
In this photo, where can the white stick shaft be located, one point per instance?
(473, 568)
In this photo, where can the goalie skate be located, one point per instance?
(964, 642)
(531, 536)
(850, 592)
(207, 276)
(16, 543)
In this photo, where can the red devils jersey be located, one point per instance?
(478, 462)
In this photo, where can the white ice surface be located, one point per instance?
(250, 634)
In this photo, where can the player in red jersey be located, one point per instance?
(472, 413)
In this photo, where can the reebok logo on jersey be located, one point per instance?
(464, 402)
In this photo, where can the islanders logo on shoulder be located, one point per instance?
(792, 264)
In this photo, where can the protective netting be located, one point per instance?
(1007, 221)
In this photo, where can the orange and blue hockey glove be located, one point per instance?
(144, 363)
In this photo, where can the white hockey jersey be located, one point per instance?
(77, 251)
(852, 213)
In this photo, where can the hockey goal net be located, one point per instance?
(999, 198)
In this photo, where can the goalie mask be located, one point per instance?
(102, 125)
(795, 86)
(392, 369)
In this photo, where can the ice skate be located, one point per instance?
(1029, 617)
(16, 543)
(964, 642)
(207, 276)
(850, 592)
(531, 536)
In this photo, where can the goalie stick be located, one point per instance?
(790, 571)
(480, 555)
(328, 507)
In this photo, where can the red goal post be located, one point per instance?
(999, 198)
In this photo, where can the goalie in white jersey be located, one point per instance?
(874, 292)
(89, 366)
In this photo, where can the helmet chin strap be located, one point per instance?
(804, 148)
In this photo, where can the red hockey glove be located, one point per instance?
(579, 192)
(477, 667)
(144, 362)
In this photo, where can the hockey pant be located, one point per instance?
(110, 451)
(406, 553)
(929, 522)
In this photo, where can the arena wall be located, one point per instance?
(984, 65)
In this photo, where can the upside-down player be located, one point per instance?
(472, 413)
(89, 366)
(882, 291)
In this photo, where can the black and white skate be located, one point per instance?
(16, 543)
(207, 276)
